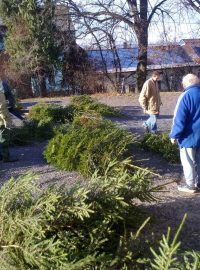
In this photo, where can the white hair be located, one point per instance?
(190, 79)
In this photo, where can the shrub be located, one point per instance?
(89, 144)
(18, 105)
(160, 143)
(44, 120)
(50, 114)
(22, 135)
(75, 228)
(82, 228)
(168, 256)
(85, 103)
(30, 132)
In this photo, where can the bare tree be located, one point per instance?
(104, 41)
(195, 4)
(137, 14)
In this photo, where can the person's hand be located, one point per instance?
(173, 141)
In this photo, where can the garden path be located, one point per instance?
(169, 211)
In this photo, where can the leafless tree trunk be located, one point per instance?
(137, 14)
(195, 4)
(42, 82)
(140, 24)
(141, 29)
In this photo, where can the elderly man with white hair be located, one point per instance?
(186, 132)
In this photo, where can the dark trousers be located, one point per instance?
(4, 142)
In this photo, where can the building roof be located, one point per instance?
(159, 56)
(192, 48)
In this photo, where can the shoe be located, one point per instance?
(187, 189)
(10, 160)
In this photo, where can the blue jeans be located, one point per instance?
(151, 123)
(190, 159)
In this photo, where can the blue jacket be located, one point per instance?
(186, 122)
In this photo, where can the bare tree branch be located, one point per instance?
(195, 4)
(154, 10)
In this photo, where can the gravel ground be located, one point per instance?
(172, 205)
(31, 160)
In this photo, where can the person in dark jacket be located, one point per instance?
(10, 98)
(8, 94)
(5, 126)
(186, 132)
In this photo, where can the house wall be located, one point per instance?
(171, 80)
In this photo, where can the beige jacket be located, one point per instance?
(5, 119)
(149, 98)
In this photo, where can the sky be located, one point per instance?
(185, 24)
(179, 23)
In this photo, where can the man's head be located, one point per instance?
(190, 79)
(156, 75)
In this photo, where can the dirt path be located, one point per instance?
(169, 211)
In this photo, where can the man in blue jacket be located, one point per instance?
(186, 132)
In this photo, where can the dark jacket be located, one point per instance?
(5, 119)
(8, 94)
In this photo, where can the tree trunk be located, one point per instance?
(141, 71)
(42, 84)
(141, 29)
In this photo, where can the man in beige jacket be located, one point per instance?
(150, 101)
(5, 124)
